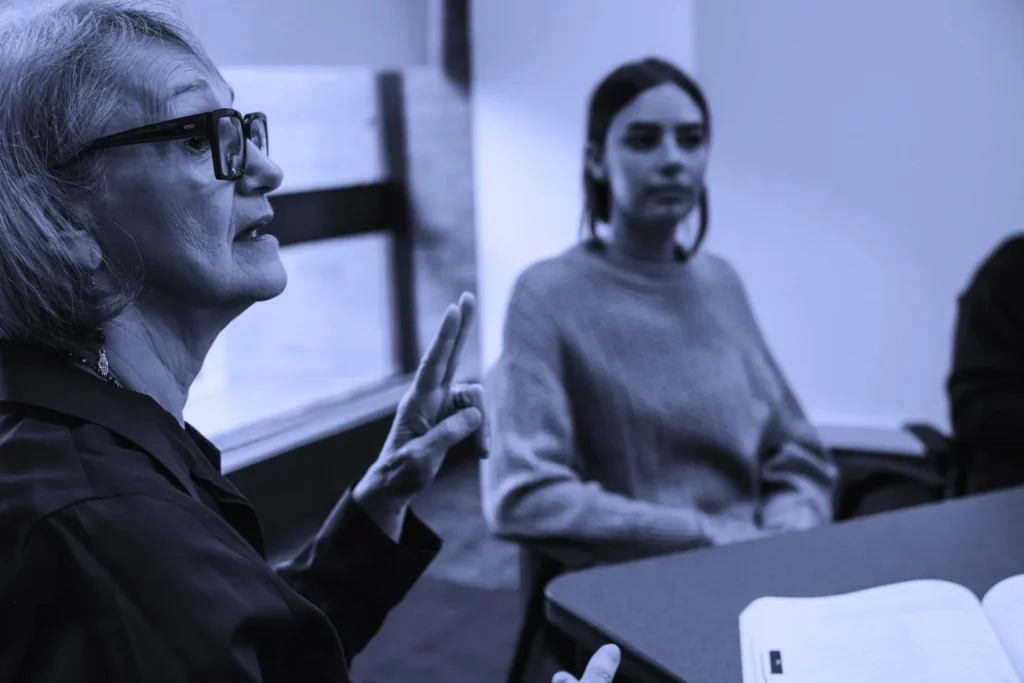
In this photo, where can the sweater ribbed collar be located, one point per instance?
(638, 272)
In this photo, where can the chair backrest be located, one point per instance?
(536, 569)
(536, 638)
(913, 480)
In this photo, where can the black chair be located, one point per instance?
(537, 639)
(873, 479)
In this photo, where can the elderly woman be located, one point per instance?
(132, 203)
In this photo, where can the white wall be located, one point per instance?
(376, 33)
(867, 156)
(283, 58)
(534, 65)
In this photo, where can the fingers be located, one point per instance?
(472, 395)
(467, 309)
(602, 666)
(412, 465)
(434, 364)
(450, 431)
(441, 360)
(600, 669)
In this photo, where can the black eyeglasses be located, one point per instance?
(225, 130)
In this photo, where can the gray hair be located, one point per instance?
(61, 71)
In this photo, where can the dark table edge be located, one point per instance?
(635, 665)
(588, 635)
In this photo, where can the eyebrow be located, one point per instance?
(654, 124)
(197, 86)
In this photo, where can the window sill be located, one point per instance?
(274, 434)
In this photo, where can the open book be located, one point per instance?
(914, 632)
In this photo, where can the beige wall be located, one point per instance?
(332, 330)
(376, 33)
(867, 156)
(534, 65)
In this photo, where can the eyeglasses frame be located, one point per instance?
(204, 125)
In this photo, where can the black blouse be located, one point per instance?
(125, 554)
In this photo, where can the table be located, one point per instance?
(676, 617)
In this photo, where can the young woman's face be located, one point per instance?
(654, 157)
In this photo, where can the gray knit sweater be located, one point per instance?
(637, 410)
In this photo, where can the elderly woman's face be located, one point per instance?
(162, 202)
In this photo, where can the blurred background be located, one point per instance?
(371, 125)
(864, 163)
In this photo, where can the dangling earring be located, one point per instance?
(102, 364)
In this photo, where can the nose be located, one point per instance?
(673, 158)
(262, 174)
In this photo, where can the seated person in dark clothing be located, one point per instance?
(986, 384)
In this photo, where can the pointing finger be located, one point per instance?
(603, 665)
(467, 309)
(434, 364)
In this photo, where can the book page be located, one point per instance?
(913, 632)
(1004, 605)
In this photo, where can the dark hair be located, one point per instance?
(611, 95)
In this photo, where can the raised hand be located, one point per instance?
(434, 409)
(432, 417)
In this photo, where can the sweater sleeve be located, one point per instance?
(531, 491)
(798, 476)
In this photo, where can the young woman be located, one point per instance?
(636, 407)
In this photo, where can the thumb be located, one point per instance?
(602, 666)
(450, 431)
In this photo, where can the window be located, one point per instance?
(328, 335)
(341, 222)
(358, 175)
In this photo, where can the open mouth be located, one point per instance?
(254, 232)
(250, 234)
